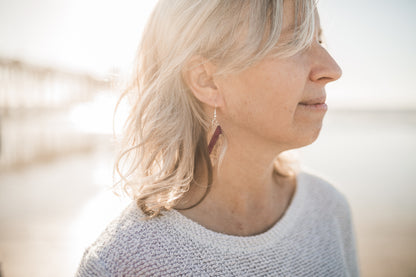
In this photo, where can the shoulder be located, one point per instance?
(130, 222)
(126, 238)
(329, 207)
(325, 203)
(322, 192)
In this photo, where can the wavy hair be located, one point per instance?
(165, 134)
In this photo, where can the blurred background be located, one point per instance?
(61, 63)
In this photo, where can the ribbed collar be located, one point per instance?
(209, 238)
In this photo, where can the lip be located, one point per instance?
(314, 101)
(315, 107)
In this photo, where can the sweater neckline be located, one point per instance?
(200, 234)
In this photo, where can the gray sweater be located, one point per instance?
(315, 237)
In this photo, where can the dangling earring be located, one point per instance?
(217, 132)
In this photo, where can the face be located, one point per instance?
(267, 100)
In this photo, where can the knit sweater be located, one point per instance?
(314, 237)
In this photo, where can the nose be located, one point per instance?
(324, 68)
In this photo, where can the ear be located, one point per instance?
(199, 77)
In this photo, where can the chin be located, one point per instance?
(308, 137)
(314, 134)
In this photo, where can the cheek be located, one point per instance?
(274, 96)
(241, 106)
(264, 99)
(283, 97)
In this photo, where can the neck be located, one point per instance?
(245, 180)
(246, 197)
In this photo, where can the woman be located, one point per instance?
(222, 89)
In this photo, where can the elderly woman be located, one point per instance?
(221, 90)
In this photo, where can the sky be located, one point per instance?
(373, 41)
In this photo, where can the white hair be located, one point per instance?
(165, 133)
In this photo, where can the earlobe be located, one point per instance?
(199, 77)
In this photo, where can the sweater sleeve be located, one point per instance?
(91, 265)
